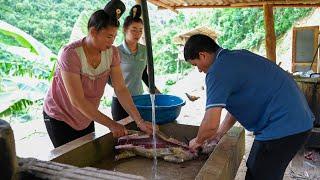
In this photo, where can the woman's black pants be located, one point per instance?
(61, 133)
(117, 110)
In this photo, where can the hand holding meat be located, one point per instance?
(194, 144)
(146, 127)
(118, 130)
(209, 145)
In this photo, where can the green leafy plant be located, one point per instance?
(106, 102)
(170, 82)
(36, 48)
(79, 29)
(20, 55)
(165, 91)
(42, 27)
(19, 92)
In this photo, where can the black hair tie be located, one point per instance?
(135, 11)
(115, 8)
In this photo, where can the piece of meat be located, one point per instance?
(312, 155)
(209, 146)
(139, 143)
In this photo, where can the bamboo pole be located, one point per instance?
(270, 36)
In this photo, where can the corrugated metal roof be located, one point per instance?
(177, 4)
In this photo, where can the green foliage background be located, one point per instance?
(237, 28)
(51, 22)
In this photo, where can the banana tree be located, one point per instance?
(79, 29)
(20, 92)
(37, 50)
(29, 57)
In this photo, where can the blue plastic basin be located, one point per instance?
(168, 107)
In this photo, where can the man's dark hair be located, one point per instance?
(199, 43)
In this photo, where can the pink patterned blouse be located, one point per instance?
(72, 59)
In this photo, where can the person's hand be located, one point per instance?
(118, 130)
(146, 126)
(194, 144)
(213, 140)
(209, 145)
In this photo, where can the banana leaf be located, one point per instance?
(19, 92)
(26, 41)
(79, 29)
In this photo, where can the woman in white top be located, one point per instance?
(83, 69)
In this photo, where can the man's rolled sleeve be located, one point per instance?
(218, 90)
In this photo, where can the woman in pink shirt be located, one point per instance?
(82, 71)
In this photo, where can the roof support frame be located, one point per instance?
(270, 35)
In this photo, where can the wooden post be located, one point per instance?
(270, 33)
(8, 160)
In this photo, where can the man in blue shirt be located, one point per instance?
(258, 94)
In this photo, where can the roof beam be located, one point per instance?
(297, 3)
(163, 5)
(281, 3)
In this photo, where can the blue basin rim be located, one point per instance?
(181, 103)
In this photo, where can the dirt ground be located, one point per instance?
(298, 169)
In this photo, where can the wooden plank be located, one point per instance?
(244, 6)
(224, 161)
(318, 61)
(29, 167)
(237, 4)
(294, 49)
(314, 139)
(82, 140)
(304, 47)
(197, 6)
(276, 3)
(228, 156)
(270, 36)
(303, 67)
(159, 3)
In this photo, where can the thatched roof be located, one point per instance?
(183, 37)
(178, 4)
